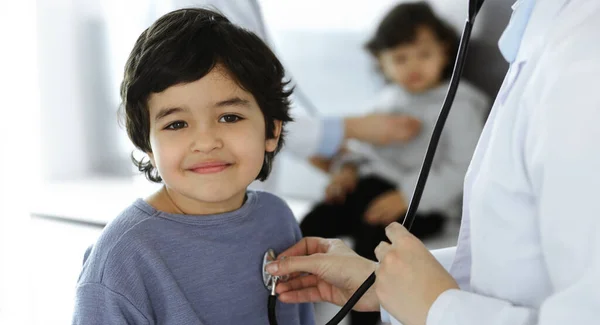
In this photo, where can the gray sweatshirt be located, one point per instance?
(152, 267)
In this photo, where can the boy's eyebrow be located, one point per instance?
(164, 112)
(234, 101)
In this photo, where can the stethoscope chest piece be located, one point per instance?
(268, 278)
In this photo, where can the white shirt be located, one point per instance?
(529, 249)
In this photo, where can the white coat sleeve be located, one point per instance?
(562, 159)
(309, 136)
(445, 256)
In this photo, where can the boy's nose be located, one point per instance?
(206, 139)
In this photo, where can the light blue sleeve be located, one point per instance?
(332, 137)
(385, 317)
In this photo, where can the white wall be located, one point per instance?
(80, 135)
(19, 158)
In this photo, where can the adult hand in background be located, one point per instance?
(382, 129)
(343, 182)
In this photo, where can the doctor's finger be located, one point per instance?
(382, 250)
(292, 264)
(395, 231)
(299, 283)
(311, 294)
(289, 277)
(305, 289)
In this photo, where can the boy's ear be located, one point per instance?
(271, 144)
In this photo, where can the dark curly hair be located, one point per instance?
(400, 27)
(184, 46)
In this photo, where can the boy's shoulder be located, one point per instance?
(113, 237)
(273, 208)
(270, 201)
(132, 236)
(129, 220)
(264, 196)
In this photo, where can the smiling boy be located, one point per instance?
(206, 101)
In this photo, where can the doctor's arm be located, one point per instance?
(325, 137)
(563, 162)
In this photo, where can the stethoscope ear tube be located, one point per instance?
(411, 213)
(474, 7)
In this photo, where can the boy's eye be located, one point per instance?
(229, 118)
(176, 125)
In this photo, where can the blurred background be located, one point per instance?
(65, 161)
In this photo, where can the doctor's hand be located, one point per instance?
(386, 208)
(342, 183)
(334, 273)
(409, 278)
(382, 129)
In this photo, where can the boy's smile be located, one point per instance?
(208, 142)
(209, 167)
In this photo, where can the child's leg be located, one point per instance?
(364, 318)
(325, 220)
(364, 234)
(427, 225)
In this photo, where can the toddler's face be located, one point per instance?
(208, 141)
(417, 66)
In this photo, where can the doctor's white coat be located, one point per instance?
(529, 248)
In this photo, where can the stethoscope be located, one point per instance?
(271, 281)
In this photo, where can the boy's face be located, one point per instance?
(208, 142)
(417, 66)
